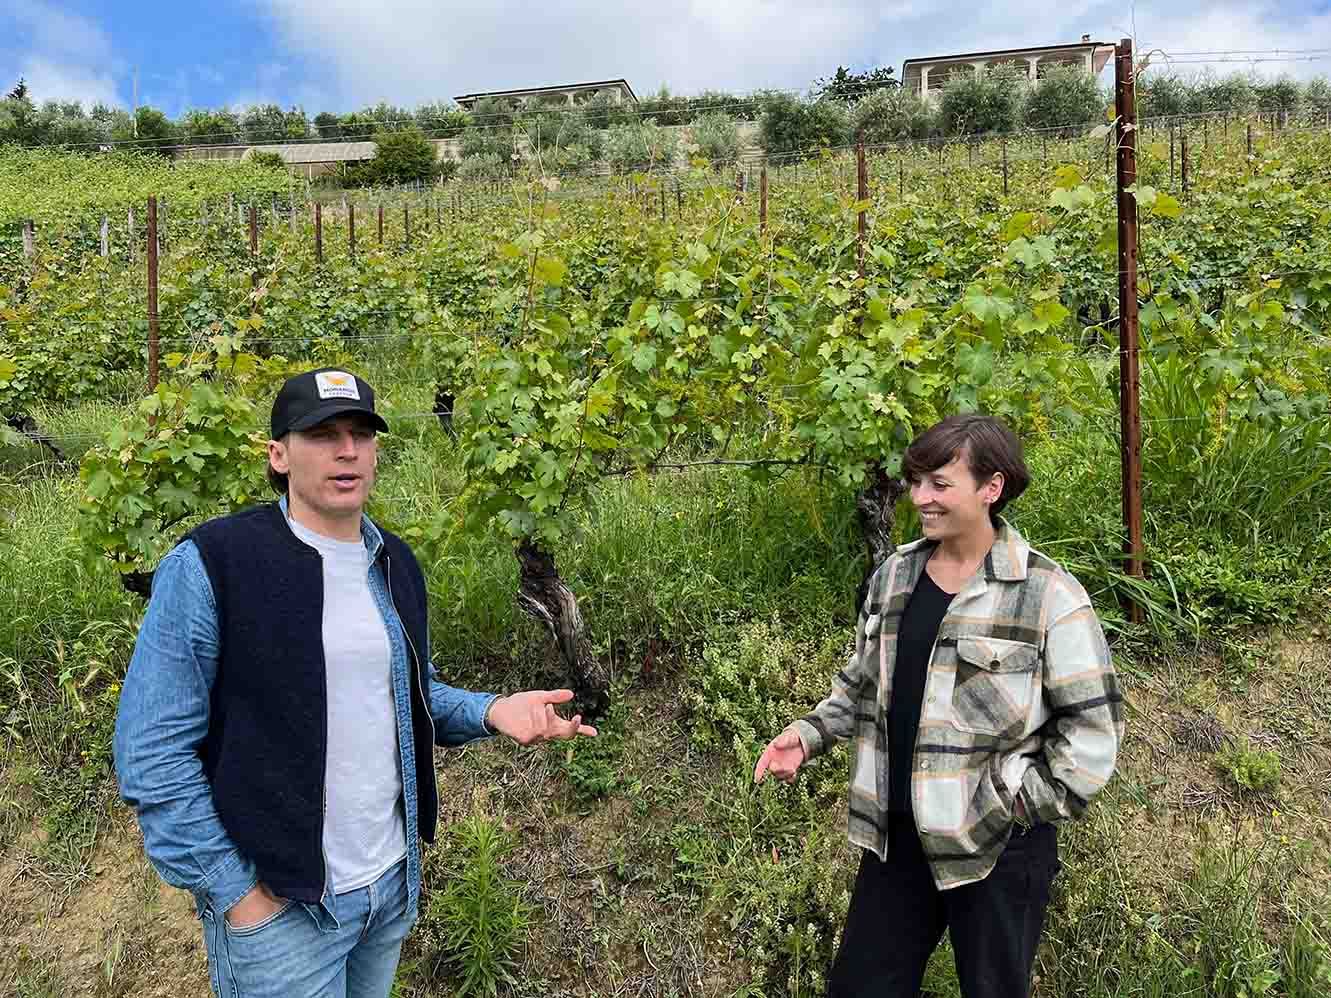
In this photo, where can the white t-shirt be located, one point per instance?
(364, 829)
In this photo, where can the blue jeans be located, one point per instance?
(301, 952)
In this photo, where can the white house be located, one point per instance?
(927, 77)
(619, 92)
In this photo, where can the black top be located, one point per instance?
(915, 644)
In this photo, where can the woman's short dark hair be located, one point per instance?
(989, 445)
(280, 482)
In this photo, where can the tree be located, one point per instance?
(149, 129)
(403, 156)
(843, 85)
(990, 101)
(641, 145)
(1163, 96)
(717, 138)
(387, 117)
(18, 118)
(20, 91)
(603, 110)
(442, 120)
(890, 115)
(328, 125)
(204, 128)
(64, 123)
(553, 133)
(269, 123)
(1065, 95)
(790, 125)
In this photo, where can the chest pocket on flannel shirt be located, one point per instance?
(995, 685)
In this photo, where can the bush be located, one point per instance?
(1066, 95)
(403, 157)
(992, 101)
(790, 125)
(891, 115)
(717, 138)
(642, 145)
(483, 166)
(268, 160)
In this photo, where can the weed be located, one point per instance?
(478, 920)
(1249, 769)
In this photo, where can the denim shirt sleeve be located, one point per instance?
(459, 715)
(162, 722)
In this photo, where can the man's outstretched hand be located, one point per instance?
(783, 756)
(530, 717)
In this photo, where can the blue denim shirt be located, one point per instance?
(164, 715)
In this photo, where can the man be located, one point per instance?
(278, 718)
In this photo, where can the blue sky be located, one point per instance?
(341, 54)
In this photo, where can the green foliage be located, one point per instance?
(848, 87)
(483, 166)
(149, 130)
(1064, 95)
(788, 909)
(890, 115)
(781, 886)
(558, 138)
(594, 767)
(63, 190)
(717, 138)
(641, 145)
(268, 160)
(442, 120)
(790, 125)
(403, 156)
(205, 128)
(191, 451)
(477, 922)
(1250, 769)
(270, 123)
(977, 103)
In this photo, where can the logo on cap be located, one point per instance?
(336, 385)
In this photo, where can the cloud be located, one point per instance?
(62, 56)
(409, 51)
(57, 80)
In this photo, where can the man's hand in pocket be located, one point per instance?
(253, 908)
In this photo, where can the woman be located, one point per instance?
(984, 710)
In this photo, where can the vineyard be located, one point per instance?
(646, 430)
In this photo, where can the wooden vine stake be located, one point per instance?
(154, 347)
(1125, 92)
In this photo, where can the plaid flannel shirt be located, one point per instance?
(1020, 700)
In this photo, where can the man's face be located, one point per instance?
(330, 467)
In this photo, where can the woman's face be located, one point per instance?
(951, 503)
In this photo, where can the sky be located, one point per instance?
(338, 55)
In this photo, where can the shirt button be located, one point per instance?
(932, 699)
(925, 764)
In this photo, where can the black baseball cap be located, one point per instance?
(308, 399)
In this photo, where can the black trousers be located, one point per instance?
(897, 917)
